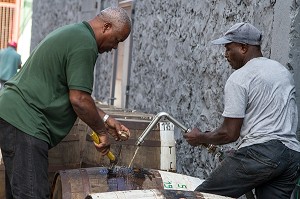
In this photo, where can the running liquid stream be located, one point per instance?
(136, 150)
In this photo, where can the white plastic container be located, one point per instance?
(168, 153)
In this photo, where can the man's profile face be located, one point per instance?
(112, 38)
(234, 55)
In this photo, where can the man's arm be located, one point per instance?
(85, 108)
(228, 132)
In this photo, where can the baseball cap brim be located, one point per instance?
(221, 40)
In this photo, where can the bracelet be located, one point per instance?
(106, 116)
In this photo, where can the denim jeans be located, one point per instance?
(26, 164)
(270, 168)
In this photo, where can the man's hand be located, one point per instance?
(115, 128)
(103, 146)
(193, 137)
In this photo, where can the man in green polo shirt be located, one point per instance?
(39, 105)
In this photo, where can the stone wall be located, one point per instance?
(175, 68)
(294, 52)
(49, 15)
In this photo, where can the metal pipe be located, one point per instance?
(155, 121)
(114, 77)
(210, 147)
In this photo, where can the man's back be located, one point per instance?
(263, 93)
(64, 60)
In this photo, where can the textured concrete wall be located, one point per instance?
(174, 67)
(104, 67)
(49, 15)
(294, 51)
(281, 28)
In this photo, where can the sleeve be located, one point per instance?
(80, 70)
(235, 100)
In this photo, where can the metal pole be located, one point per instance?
(113, 78)
(130, 57)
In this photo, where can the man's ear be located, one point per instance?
(106, 27)
(244, 48)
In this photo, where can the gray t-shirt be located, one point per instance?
(263, 93)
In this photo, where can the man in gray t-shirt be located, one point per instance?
(260, 109)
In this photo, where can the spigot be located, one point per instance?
(154, 121)
(210, 147)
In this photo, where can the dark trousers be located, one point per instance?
(26, 164)
(270, 168)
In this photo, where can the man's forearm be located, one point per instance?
(86, 110)
(217, 137)
(228, 132)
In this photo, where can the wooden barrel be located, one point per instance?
(68, 153)
(100, 182)
(77, 150)
(78, 183)
(148, 155)
(156, 152)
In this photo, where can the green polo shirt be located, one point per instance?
(36, 100)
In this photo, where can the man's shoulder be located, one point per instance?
(262, 61)
(72, 36)
(71, 27)
(78, 32)
(15, 53)
(3, 50)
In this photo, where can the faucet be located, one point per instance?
(211, 148)
(154, 121)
